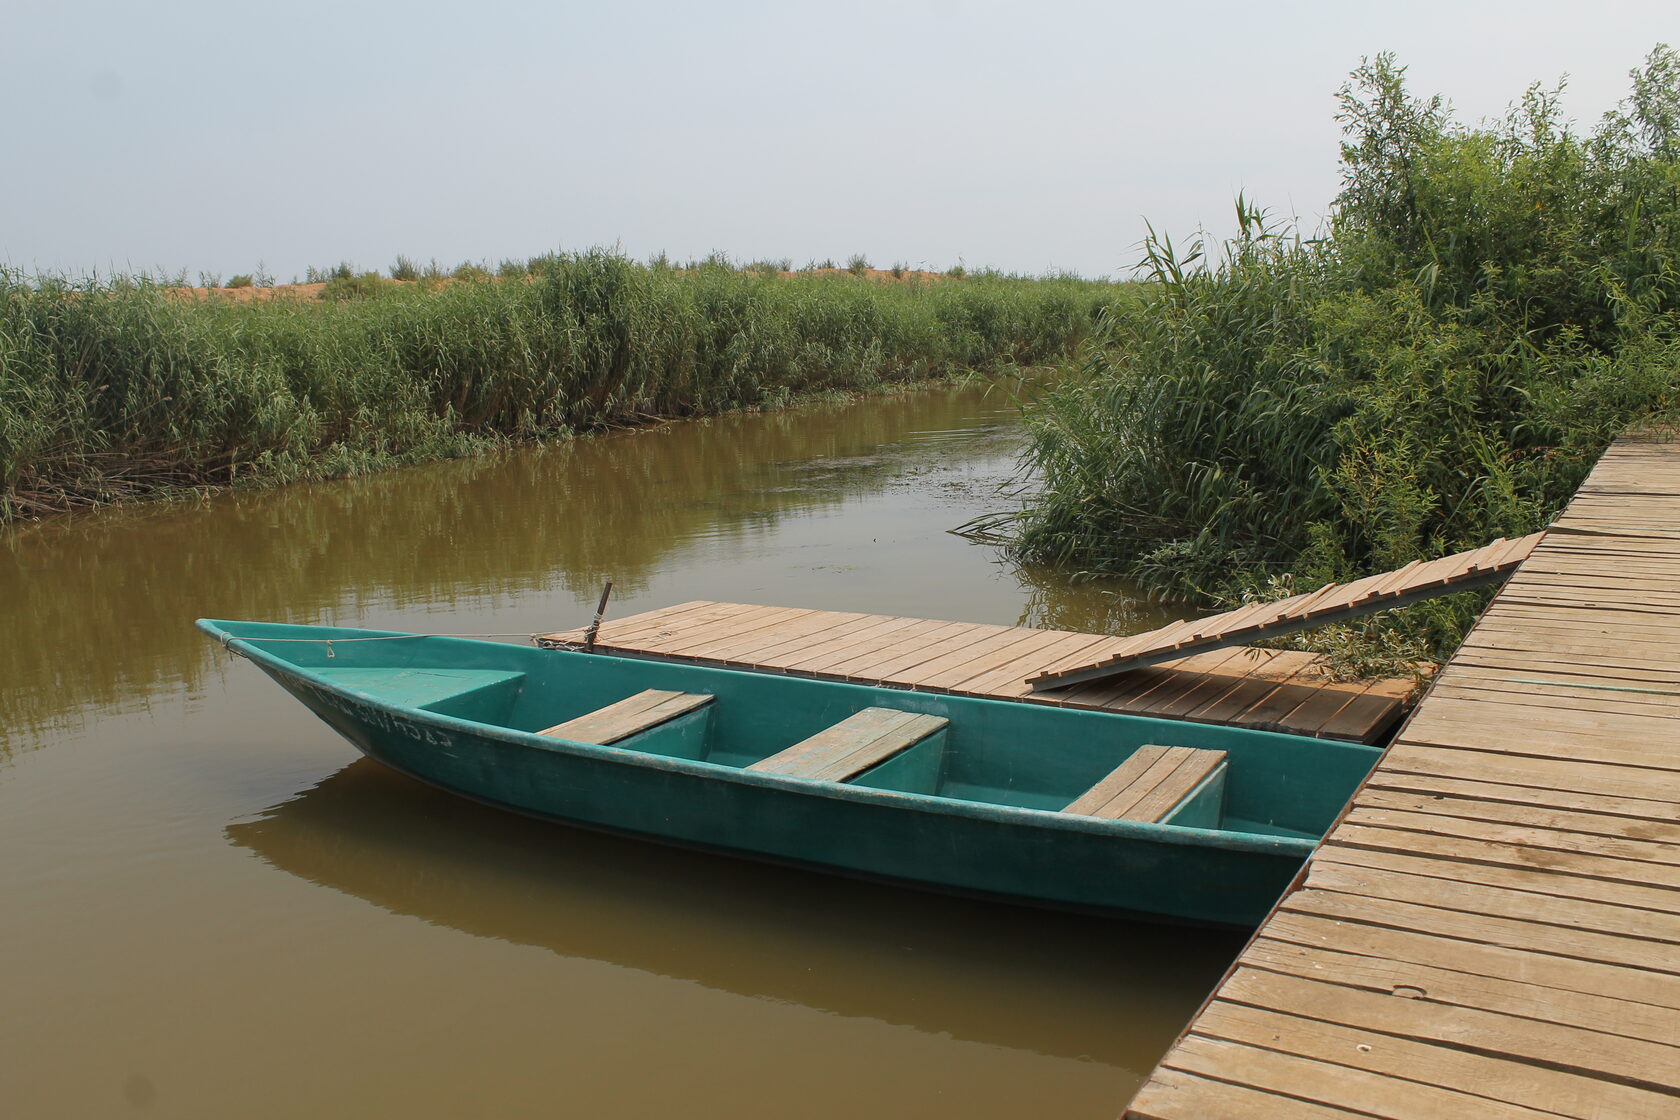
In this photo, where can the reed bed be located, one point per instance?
(124, 389)
(1486, 310)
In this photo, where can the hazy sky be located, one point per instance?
(1027, 136)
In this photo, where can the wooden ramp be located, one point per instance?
(1277, 690)
(1333, 602)
(1493, 927)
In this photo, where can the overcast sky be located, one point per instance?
(1025, 136)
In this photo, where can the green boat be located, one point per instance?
(1024, 802)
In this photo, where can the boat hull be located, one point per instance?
(919, 834)
(1003, 853)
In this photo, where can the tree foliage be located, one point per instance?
(1487, 308)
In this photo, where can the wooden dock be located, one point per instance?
(1492, 929)
(1276, 690)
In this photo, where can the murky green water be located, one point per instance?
(211, 907)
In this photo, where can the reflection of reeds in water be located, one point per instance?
(976, 971)
(103, 602)
(1096, 605)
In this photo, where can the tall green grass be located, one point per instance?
(117, 390)
(1488, 307)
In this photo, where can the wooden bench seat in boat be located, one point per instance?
(858, 742)
(630, 716)
(1154, 782)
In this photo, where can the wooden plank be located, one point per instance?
(1494, 1079)
(823, 658)
(1586, 584)
(1582, 742)
(1128, 693)
(1491, 640)
(1558, 1045)
(1582, 776)
(1231, 707)
(1512, 933)
(1546, 971)
(1328, 603)
(1587, 629)
(882, 664)
(717, 641)
(1561, 696)
(1230, 619)
(1364, 718)
(1523, 812)
(722, 619)
(1013, 645)
(1174, 1095)
(1510, 854)
(1513, 900)
(1436, 865)
(1324, 705)
(1177, 692)
(1292, 1077)
(678, 619)
(1531, 836)
(633, 714)
(848, 748)
(1553, 882)
(1448, 709)
(1204, 689)
(1509, 666)
(1149, 784)
(1014, 671)
(1504, 793)
(1558, 709)
(958, 664)
(635, 621)
(1195, 767)
(1145, 767)
(1272, 713)
(836, 628)
(1437, 984)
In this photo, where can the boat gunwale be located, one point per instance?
(1168, 834)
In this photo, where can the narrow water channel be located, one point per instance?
(211, 907)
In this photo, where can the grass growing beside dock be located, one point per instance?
(1486, 310)
(123, 389)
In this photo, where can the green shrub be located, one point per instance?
(404, 269)
(1487, 309)
(243, 280)
(341, 288)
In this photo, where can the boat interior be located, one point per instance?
(1024, 755)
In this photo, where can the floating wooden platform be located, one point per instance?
(1493, 927)
(1334, 602)
(1277, 690)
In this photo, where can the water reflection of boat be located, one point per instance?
(1056, 806)
(1005, 976)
